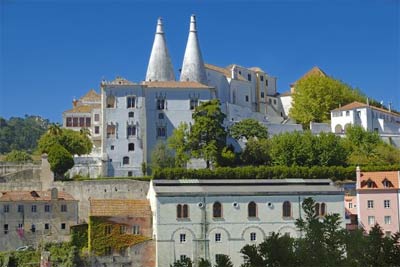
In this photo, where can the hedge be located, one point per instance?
(336, 173)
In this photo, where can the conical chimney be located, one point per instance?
(193, 65)
(160, 66)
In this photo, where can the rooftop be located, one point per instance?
(314, 71)
(245, 187)
(32, 196)
(356, 104)
(377, 180)
(120, 207)
(176, 84)
(83, 108)
(225, 71)
(91, 96)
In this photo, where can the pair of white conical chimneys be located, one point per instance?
(160, 66)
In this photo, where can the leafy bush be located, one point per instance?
(18, 156)
(60, 160)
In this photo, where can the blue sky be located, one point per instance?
(53, 51)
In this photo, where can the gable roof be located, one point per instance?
(377, 178)
(32, 196)
(120, 207)
(356, 104)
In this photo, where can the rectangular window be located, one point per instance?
(262, 78)
(274, 101)
(63, 226)
(107, 251)
(386, 204)
(262, 94)
(33, 228)
(131, 131)
(136, 230)
(182, 238)
(249, 77)
(107, 229)
(218, 237)
(161, 132)
(131, 114)
(63, 208)
(247, 98)
(74, 122)
(46, 226)
(193, 103)
(96, 129)
(130, 101)
(160, 116)
(88, 122)
(96, 117)
(20, 208)
(183, 257)
(388, 220)
(266, 82)
(69, 121)
(6, 208)
(122, 229)
(81, 122)
(47, 208)
(370, 204)
(34, 208)
(6, 229)
(253, 237)
(347, 113)
(20, 226)
(371, 220)
(350, 205)
(160, 104)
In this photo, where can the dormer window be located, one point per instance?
(386, 183)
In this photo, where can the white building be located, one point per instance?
(385, 122)
(204, 218)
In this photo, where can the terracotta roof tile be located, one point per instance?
(83, 108)
(32, 196)
(175, 84)
(314, 71)
(378, 178)
(356, 104)
(92, 95)
(225, 71)
(120, 207)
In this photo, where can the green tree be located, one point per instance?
(227, 158)
(248, 128)
(204, 263)
(223, 261)
(18, 156)
(60, 160)
(316, 96)
(161, 156)
(76, 143)
(257, 152)
(186, 262)
(207, 137)
(275, 250)
(21, 133)
(179, 142)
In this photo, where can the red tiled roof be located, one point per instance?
(32, 196)
(377, 178)
(356, 104)
(120, 207)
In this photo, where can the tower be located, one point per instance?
(193, 65)
(160, 66)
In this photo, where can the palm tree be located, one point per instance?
(54, 129)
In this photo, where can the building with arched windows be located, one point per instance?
(206, 218)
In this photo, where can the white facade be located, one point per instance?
(200, 234)
(370, 118)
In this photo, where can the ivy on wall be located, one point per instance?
(100, 238)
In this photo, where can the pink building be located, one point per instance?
(378, 196)
(350, 204)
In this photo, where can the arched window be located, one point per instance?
(125, 160)
(179, 211)
(185, 211)
(252, 209)
(110, 101)
(217, 210)
(317, 209)
(338, 128)
(131, 131)
(287, 209)
(131, 147)
(323, 209)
